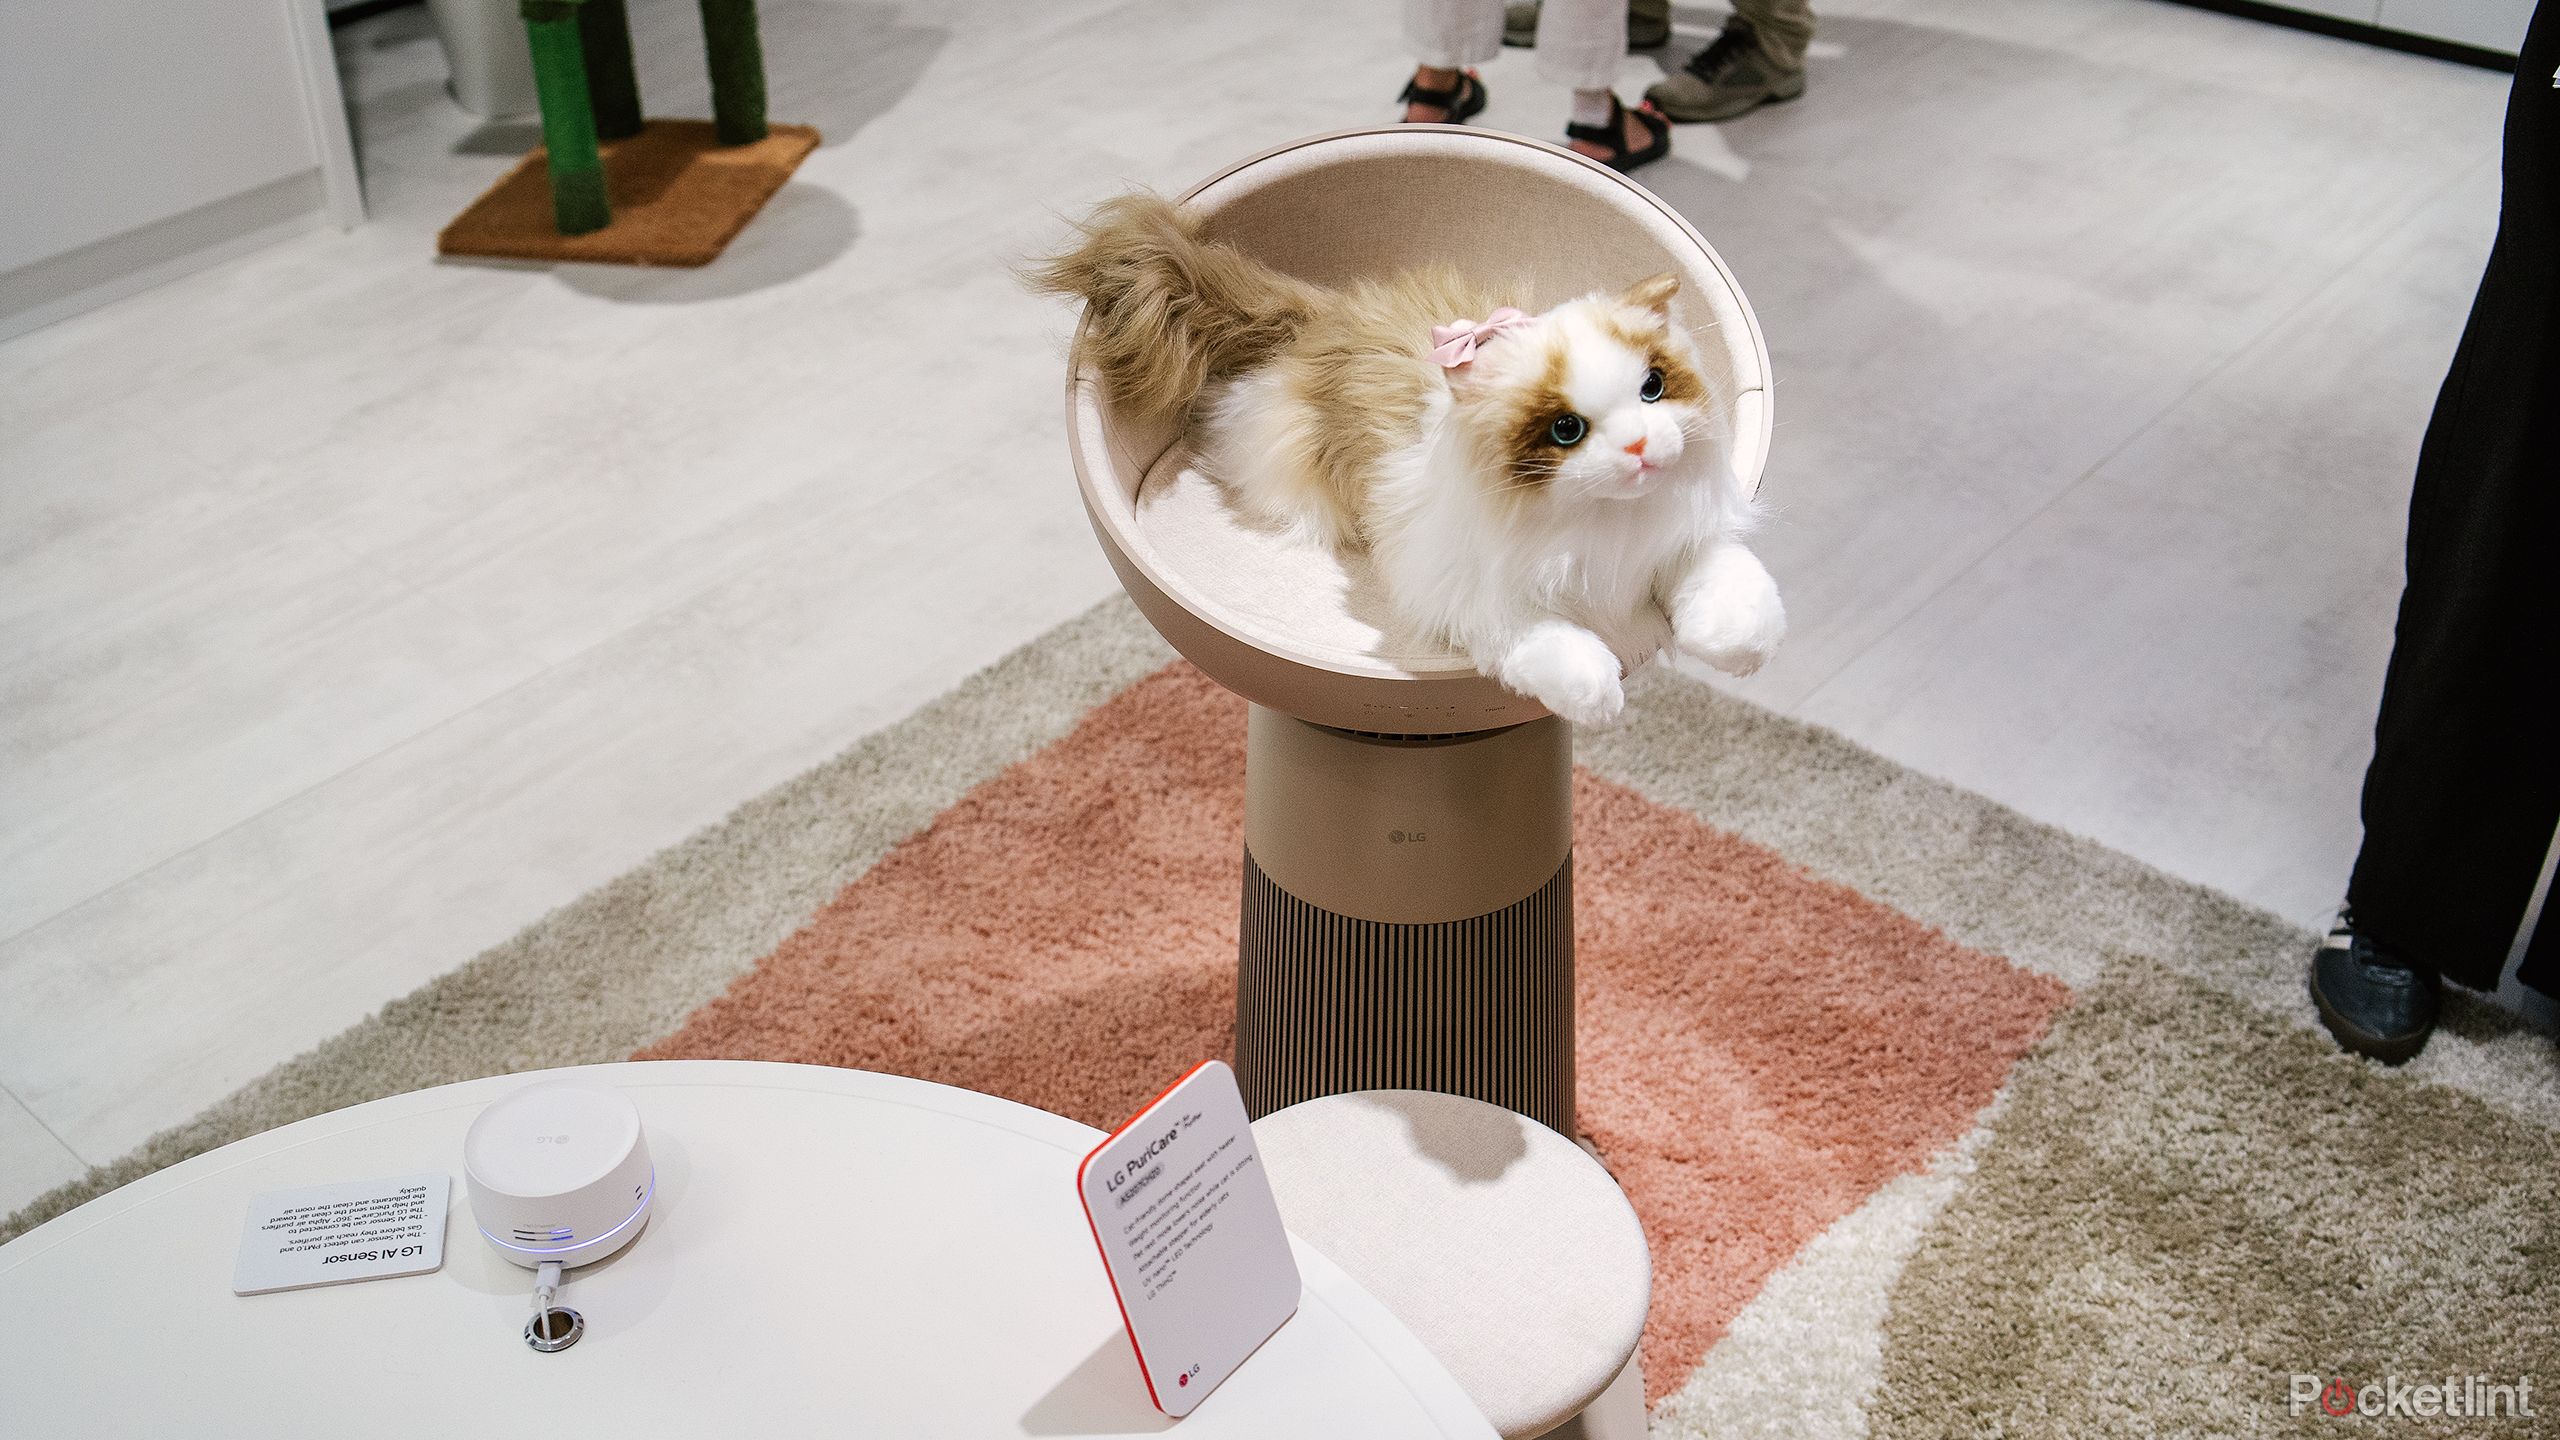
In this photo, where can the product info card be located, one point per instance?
(1191, 1236)
(330, 1234)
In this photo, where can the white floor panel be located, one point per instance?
(32, 1161)
(2182, 653)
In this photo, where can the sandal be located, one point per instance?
(1468, 99)
(1614, 135)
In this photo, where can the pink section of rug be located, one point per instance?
(1760, 1049)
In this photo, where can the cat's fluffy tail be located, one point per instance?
(1167, 313)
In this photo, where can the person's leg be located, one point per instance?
(1452, 34)
(1445, 37)
(1520, 23)
(1581, 43)
(1758, 58)
(1648, 23)
(1784, 28)
(2461, 794)
(2464, 785)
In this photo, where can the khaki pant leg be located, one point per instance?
(1785, 27)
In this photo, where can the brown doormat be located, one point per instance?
(678, 197)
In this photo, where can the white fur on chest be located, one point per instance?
(1475, 566)
(1556, 596)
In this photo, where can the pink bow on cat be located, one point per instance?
(1454, 344)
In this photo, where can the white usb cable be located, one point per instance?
(553, 1326)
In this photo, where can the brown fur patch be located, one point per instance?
(1523, 416)
(1648, 333)
(1681, 382)
(1652, 293)
(1361, 371)
(1166, 313)
(1639, 333)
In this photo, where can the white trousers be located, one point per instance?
(1580, 42)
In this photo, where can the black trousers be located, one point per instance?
(2464, 788)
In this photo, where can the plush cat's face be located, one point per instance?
(1600, 400)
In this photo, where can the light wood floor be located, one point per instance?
(355, 609)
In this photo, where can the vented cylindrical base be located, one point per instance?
(1408, 915)
(1482, 1007)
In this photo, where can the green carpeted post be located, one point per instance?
(568, 119)
(613, 84)
(737, 70)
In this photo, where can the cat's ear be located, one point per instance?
(1653, 293)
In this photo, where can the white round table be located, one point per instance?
(833, 1252)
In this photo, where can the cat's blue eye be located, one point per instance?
(1568, 431)
(1651, 389)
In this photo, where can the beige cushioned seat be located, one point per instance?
(1297, 627)
(1507, 1250)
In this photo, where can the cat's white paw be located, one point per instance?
(1570, 672)
(1728, 615)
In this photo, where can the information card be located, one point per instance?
(329, 1234)
(1192, 1237)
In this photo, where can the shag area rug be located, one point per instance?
(1940, 1122)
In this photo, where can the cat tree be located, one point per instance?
(590, 89)
(610, 185)
(1408, 870)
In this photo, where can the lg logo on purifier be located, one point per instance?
(1185, 1377)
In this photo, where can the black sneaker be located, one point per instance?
(2376, 1002)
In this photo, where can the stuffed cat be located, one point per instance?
(1547, 493)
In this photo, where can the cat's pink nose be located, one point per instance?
(1637, 449)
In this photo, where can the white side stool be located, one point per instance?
(1504, 1248)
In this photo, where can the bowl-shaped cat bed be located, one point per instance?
(1408, 870)
(1293, 625)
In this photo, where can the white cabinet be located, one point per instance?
(2488, 24)
(139, 137)
(2482, 24)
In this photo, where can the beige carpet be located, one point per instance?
(2184, 1203)
(1757, 1049)
(2179, 1200)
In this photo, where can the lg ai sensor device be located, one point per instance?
(559, 1176)
(559, 1171)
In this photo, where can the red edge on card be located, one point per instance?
(1095, 1228)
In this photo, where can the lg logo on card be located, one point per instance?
(1185, 1377)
